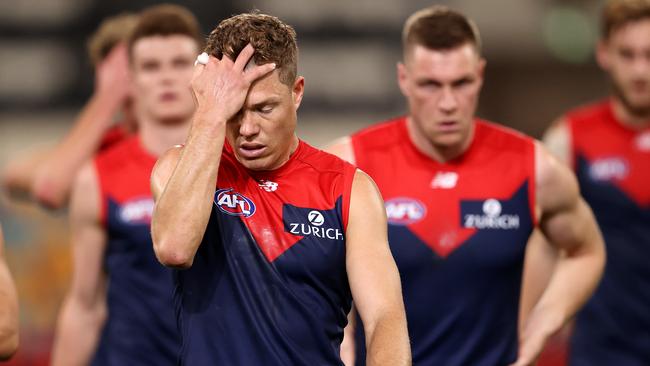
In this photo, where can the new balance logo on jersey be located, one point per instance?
(268, 186)
(445, 180)
(404, 211)
(315, 227)
(608, 168)
(137, 211)
(491, 218)
(233, 203)
(643, 141)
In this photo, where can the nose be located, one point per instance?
(248, 127)
(447, 102)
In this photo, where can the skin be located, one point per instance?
(46, 177)
(8, 309)
(256, 113)
(442, 89)
(158, 65)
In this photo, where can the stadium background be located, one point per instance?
(540, 62)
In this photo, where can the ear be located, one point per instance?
(602, 54)
(481, 70)
(297, 91)
(402, 78)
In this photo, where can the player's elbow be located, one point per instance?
(171, 253)
(8, 343)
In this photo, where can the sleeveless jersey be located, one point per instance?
(141, 327)
(458, 232)
(268, 285)
(612, 163)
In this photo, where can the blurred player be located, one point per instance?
(8, 308)
(276, 237)
(608, 145)
(47, 176)
(119, 308)
(462, 197)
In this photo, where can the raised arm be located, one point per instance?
(373, 276)
(8, 308)
(47, 176)
(83, 312)
(184, 180)
(568, 225)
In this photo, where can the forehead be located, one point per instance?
(632, 33)
(268, 87)
(164, 46)
(455, 61)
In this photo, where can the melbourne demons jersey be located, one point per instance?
(458, 232)
(141, 325)
(268, 285)
(612, 163)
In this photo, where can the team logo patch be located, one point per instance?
(643, 141)
(233, 203)
(137, 211)
(492, 217)
(608, 169)
(268, 186)
(404, 211)
(445, 180)
(312, 223)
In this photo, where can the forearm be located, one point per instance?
(77, 334)
(183, 209)
(388, 342)
(54, 175)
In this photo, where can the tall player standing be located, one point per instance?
(462, 197)
(275, 237)
(119, 309)
(607, 143)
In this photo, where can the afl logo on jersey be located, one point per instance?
(608, 169)
(233, 203)
(404, 211)
(137, 211)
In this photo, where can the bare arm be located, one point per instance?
(47, 177)
(8, 309)
(342, 147)
(569, 225)
(184, 180)
(83, 312)
(541, 257)
(373, 276)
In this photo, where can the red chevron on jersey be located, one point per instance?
(615, 153)
(429, 198)
(271, 204)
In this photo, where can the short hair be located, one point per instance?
(617, 13)
(166, 20)
(111, 32)
(439, 28)
(273, 41)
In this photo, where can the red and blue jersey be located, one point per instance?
(268, 285)
(141, 325)
(612, 163)
(458, 232)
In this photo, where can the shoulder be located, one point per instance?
(379, 134)
(322, 161)
(556, 184)
(587, 113)
(115, 154)
(503, 138)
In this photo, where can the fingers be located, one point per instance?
(243, 57)
(258, 72)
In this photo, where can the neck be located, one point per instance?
(157, 137)
(439, 153)
(627, 117)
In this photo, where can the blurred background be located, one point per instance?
(540, 62)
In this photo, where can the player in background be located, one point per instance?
(8, 308)
(119, 308)
(463, 196)
(47, 176)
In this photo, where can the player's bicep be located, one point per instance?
(163, 170)
(88, 239)
(372, 273)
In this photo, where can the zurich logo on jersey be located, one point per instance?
(233, 203)
(404, 211)
(491, 218)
